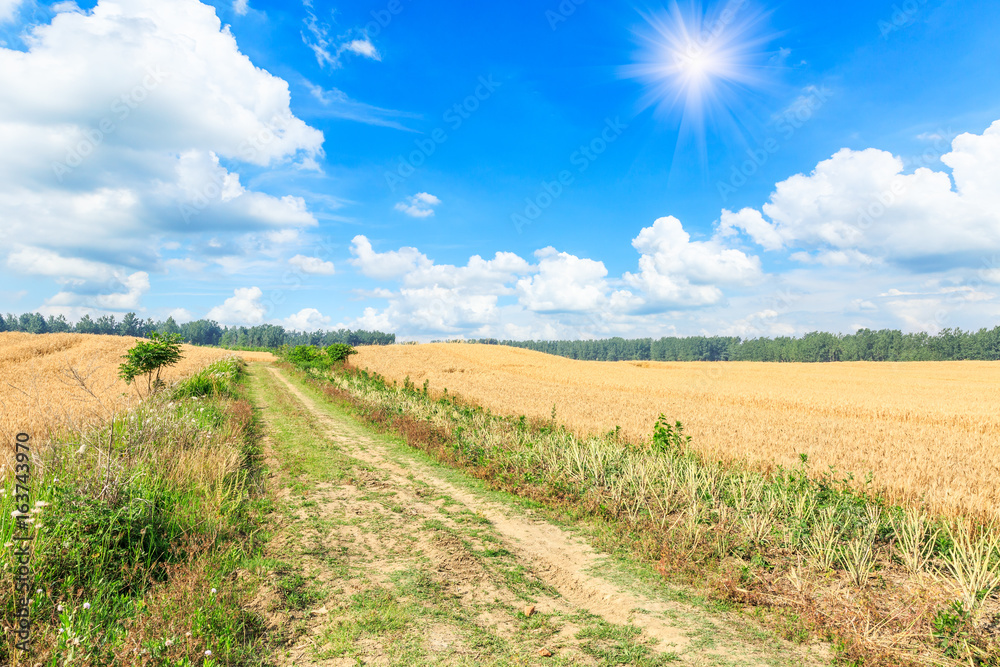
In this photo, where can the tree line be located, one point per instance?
(198, 332)
(865, 345)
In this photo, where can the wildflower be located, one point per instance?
(187, 634)
(214, 591)
(207, 653)
(169, 642)
(86, 605)
(59, 607)
(62, 630)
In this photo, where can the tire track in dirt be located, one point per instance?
(556, 557)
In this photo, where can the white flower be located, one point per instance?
(62, 630)
(86, 605)
(39, 591)
(214, 591)
(59, 607)
(187, 634)
(208, 653)
(169, 642)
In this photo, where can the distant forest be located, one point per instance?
(865, 345)
(200, 332)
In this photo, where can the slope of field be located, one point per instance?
(42, 378)
(923, 429)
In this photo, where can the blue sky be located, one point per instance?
(513, 170)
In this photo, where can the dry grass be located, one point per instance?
(40, 380)
(923, 429)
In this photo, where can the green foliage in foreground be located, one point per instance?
(747, 535)
(138, 527)
(308, 357)
(149, 358)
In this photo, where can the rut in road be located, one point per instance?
(553, 555)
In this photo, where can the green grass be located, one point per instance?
(128, 545)
(731, 533)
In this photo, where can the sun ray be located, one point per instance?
(701, 67)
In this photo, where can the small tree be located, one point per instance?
(340, 352)
(149, 358)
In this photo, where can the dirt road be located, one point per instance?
(386, 558)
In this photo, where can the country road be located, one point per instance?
(387, 558)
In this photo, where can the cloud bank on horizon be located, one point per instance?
(149, 164)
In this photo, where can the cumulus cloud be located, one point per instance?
(312, 265)
(420, 205)
(564, 283)
(307, 319)
(860, 207)
(385, 265)
(557, 294)
(131, 155)
(244, 308)
(676, 271)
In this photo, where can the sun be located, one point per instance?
(702, 64)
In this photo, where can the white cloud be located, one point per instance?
(420, 205)
(675, 271)
(312, 265)
(328, 49)
(363, 47)
(753, 224)
(307, 319)
(42, 262)
(385, 265)
(561, 294)
(129, 158)
(564, 283)
(8, 9)
(244, 308)
(181, 315)
(241, 7)
(864, 207)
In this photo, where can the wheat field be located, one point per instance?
(42, 378)
(926, 430)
